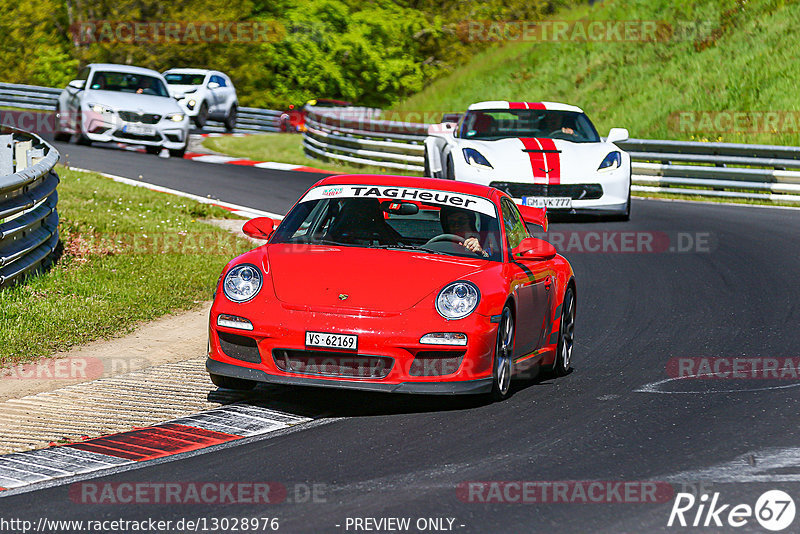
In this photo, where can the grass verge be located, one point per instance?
(130, 255)
(286, 148)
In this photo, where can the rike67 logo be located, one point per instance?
(774, 510)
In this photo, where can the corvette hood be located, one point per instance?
(132, 102)
(380, 280)
(539, 160)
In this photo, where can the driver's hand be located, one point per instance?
(569, 131)
(473, 245)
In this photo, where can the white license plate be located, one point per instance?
(332, 341)
(138, 129)
(550, 202)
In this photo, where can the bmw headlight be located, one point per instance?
(612, 161)
(457, 300)
(242, 283)
(474, 157)
(99, 108)
(175, 117)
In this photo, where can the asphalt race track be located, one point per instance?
(616, 417)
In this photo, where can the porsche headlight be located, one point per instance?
(99, 108)
(175, 117)
(612, 161)
(242, 283)
(474, 157)
(457, 300)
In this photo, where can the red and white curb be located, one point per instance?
(213, 158)
(242, 211)
(195, 432)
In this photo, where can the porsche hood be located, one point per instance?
(369, 279)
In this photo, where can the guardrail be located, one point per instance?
(28, 199)
(680, 167)
(33, 97)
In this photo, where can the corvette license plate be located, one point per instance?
(332, 341)
(550, 202)
(138, 129)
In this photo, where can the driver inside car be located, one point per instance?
(461, 223)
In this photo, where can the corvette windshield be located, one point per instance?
(440, 224)
(128, 83)
(491, 124)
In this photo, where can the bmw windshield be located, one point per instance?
(492, 124)
(128, 83)
(400, 218)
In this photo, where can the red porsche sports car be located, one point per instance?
(397, 284)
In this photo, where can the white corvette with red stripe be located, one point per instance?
(541, 153)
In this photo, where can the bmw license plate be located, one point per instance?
(138, 129)
(550, 202)
(332, 341)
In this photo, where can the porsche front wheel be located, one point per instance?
(230, 382)
(566, 335)
(503, 355)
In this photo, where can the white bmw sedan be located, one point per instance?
(109, 102)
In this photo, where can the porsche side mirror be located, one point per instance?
(77, 84)
(259, 228)
(532, 248)
(531, 215)
(616, 135)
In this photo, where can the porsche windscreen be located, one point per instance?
(397, 218)
(128, 83)
(491, 124)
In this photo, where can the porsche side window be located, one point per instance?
(515, 228)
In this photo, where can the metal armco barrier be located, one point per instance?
(249, 120)
(28, 198)
(679, 167)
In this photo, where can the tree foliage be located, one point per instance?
(372, 53)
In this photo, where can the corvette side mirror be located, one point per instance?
(259, 228)
(617, 135)
(532, 248)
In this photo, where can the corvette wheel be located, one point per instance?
(230, 382)
(503, 354)
(566, 335)
(426, 172)
(450, 173)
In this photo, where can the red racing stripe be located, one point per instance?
(536, 105)
(517, 105)
(154, 442)
(553, 159)
(538, 164)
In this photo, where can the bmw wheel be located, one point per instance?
(503, 355)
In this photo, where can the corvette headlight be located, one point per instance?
(175, 117)
(457, 300)
(612, 161)
(99, 108)
(474, 157)
(242, 283)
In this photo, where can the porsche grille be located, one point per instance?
(331, 363)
